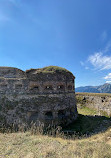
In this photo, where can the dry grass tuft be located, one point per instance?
(35, 142)
(26, 145)
(94, 94)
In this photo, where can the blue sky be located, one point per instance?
(73, 34)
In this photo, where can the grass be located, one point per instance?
(88, 122)
(84, 104)
(86, 111)
(91, 139)
(94, 94)
(50, 69)
(25, 145)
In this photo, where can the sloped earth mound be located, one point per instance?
(87, 125)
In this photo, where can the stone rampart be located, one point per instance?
(37, 95)
(99, 102)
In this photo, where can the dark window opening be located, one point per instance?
(48, 115)
(3, 85)
(61, 87)
(33, 118)
(34, 88)
(61, 114)
(48, 87)
(69, 87)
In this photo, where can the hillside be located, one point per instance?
(105, 88)
(91, 139)
(24, 145)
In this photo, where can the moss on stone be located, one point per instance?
(50, 69)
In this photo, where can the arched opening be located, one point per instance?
(69, 87)
(60, 87)
(61, 114)
(48, 115)
(33, 118)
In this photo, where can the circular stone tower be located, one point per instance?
(55, 95)
(45, 95)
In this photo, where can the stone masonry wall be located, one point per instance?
(100, 102)
(39, 97)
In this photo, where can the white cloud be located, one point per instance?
(108, 81)
(108, 76)
(100, 61)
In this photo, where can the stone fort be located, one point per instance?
(46, 95)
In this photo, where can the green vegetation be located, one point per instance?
(87, 125)
(50, 69)
(89, 122)
(87, 111)
(82, 109)
(86, 105)
(90, 111)
(88, 137)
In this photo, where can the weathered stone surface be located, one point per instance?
(101, 102)
(38, 95)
